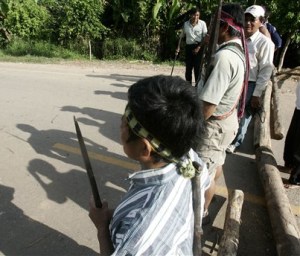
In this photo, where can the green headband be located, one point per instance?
(185, 166)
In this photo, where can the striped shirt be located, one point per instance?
(156, 216)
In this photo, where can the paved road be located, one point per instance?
(43, 186)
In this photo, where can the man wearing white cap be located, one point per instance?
(261, 53)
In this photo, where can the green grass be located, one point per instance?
(44, 52)
(40, 52)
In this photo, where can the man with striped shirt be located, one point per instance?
(162, 122)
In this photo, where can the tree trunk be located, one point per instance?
(230, 239)
(283, 52)
(262, 122)
(284, 226)
(283, 222)
(276, 125)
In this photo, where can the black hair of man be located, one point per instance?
(169, 109)
(194, 10)
(236, 11)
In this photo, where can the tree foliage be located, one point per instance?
(26, 19)
(153, 24)
(74, 20)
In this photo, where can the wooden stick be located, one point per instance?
(196, 186)
(230, 239)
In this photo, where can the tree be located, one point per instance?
(286, 17)
(75, 21)
(4, 32)
(26, 19)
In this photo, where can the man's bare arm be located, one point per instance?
(208, 109)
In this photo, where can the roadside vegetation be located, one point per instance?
(115, 29)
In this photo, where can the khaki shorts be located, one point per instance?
(220, 134)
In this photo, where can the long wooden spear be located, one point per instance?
(208, 50)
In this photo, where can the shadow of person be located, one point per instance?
(110, 122)
(74, 184)
(118, 77)
(61, 186)
(43, 141)
(117, 95)
(21, 235)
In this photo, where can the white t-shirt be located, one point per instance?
(194, 34)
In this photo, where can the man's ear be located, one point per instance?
(145, 150)
(224, 27)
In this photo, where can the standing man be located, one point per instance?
(194, 31)
(261, 53)
(221, 93)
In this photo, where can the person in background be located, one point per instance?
(194, 31)
(291, 154)
(162, 122)
(221, 93)
(273, 34)
(261, 53)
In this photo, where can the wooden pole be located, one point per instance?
(284, 226)
(262, 121)
(230, 239)
(196, 186)
(277, 131)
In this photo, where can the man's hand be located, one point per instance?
(196, 50)
(255, 102)
(177, 51)
(100, 216)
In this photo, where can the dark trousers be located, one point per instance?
(291, 154)
(192, 62)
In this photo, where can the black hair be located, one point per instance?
(194, 10)
(236, 11)
(168, 108)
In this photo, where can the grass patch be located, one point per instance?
(38, 51)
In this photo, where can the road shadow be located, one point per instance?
(107, 122)
(22, 235)
(74, 184)
(119, 78)
(116, 95)
(240, 172)
(211, 233)
(55, 144)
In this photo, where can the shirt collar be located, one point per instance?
(254, 36)
(236, 40)
(154, 176)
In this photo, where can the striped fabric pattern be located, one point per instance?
(156, 216)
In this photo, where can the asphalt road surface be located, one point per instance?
(44, 188)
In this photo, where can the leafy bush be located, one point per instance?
(27, 19)
(74, 21)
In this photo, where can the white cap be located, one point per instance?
(256, 11)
